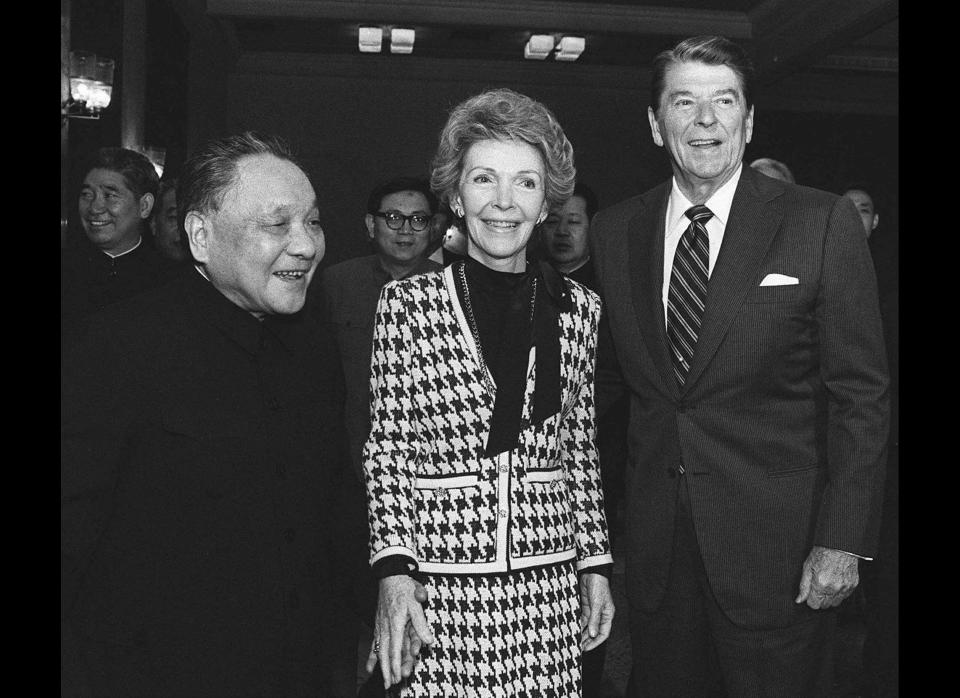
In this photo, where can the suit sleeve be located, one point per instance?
(854, 370)
(578, 435)
(610, 386)
(391, 451)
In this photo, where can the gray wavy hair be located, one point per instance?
(503, 114)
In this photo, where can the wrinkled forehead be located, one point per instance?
(697, 76)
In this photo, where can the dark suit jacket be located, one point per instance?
(206, 536)
(782, 421)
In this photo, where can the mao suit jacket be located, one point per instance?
(208, 528)
(781, 424)
(432, 495)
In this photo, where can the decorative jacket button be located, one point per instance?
(504, 468)
(502, 513)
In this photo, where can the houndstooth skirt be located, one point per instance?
(514, 634)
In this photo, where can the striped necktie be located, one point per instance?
(688, 290)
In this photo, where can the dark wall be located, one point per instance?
(358, 121)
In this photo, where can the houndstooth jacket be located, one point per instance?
(431, 494)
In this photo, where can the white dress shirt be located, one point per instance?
(719, 204)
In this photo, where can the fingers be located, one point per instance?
(419, 592)
(804, 585)
(396, 646)
(372, 658)
(420, 625)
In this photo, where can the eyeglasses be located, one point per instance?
(395, 221)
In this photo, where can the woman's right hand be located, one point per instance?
(400, 628)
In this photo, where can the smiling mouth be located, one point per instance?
(501, 225)
(290, 275)
(703, 142)
(98, 224)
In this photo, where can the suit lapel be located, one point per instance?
(646, 241)
(754, 220)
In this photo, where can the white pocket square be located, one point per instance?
(779, 280)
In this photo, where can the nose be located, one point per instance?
(504, 195)
(305, 244)
(406, 226)
(706, 114)
(97, 203)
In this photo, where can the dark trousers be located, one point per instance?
(689, 648)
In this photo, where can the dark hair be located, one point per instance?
(417, 184)
(869, 188)
(504, 115)
(712, 50)
(589, 197)
(209, 173)
(138, 172)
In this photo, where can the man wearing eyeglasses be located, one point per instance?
(399, 224)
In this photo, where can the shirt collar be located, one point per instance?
(719, 204)
(115, 256)
(235, 322)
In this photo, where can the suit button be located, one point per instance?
(504, 468)
(289, 535)
(441, 492)
(502, 513)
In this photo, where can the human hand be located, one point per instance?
(596, 610)
(400, 629)
(829, 576)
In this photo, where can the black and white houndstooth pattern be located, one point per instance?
(431, 494)
(505, 635)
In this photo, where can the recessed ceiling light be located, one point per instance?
(370, 39)
(570, 48)
(401, 40)
(538, 47)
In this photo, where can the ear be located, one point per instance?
(368, 219)
(198, 235)
(146, 205)
(544, 212)
(748, 124)
(654, 127)
(876, 221)
(457, 206)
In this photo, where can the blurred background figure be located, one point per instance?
(880, 586)
(773, 168)
(167, 237)
(115, 259)
(865, 207)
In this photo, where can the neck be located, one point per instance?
(514, 264)
(122, 247)
(572, 266)
(697, 190)
(398, 270)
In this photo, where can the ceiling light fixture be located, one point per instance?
(538, 47)
(401, 40)
(370, 39)
(570, 48)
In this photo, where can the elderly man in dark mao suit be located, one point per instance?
(744, 324)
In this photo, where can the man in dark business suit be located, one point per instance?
(210, 525)
(748, 336)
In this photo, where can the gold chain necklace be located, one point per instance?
(472, 321)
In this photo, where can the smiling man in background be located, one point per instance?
(210, 528)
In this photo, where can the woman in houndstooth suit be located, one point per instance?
(481, 468)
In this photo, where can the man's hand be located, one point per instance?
(596, 610)
(400, 629)
(829, 576)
